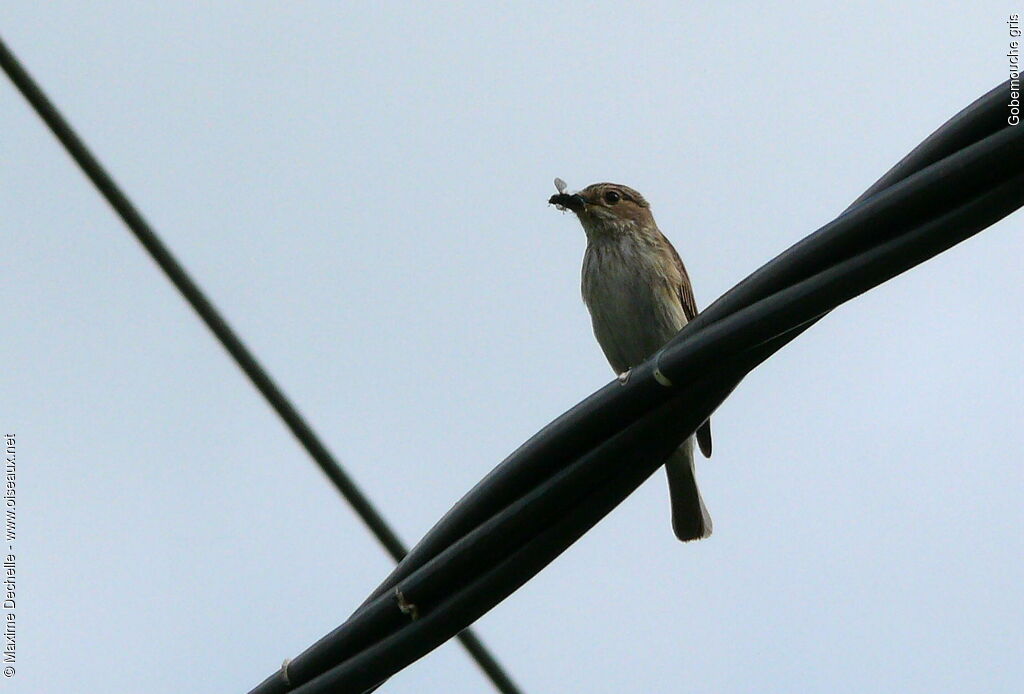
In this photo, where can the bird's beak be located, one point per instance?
(574, 202)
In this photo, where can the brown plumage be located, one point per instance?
(639, 296)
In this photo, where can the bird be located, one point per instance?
(639, 296)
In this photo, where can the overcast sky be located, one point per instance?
(362, 190)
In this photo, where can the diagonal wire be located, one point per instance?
(227, 337)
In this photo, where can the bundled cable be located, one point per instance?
(556, 486)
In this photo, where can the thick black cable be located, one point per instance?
(985, 116)
(580, 427)
(963, 178)
(506, 550)
(624, 456)
(227, 337)
(380, 637)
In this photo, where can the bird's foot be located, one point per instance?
(624, 377)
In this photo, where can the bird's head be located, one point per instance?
(607, 208)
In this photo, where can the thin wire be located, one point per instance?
(227, 337)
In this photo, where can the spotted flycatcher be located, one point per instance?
(639, 297)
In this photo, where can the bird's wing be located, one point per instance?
(685, 288)
(689, 303)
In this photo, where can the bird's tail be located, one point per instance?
(690, 519)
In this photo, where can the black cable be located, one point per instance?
(576, 430)
(496, 559)
(543, 497)
(227, 337)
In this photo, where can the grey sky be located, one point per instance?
(362, 191)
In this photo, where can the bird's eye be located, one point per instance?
(612, 197)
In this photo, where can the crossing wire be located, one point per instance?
(131, 216)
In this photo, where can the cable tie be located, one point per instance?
(661, 378)
(407, 607)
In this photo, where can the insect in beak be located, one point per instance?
(566, 201)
